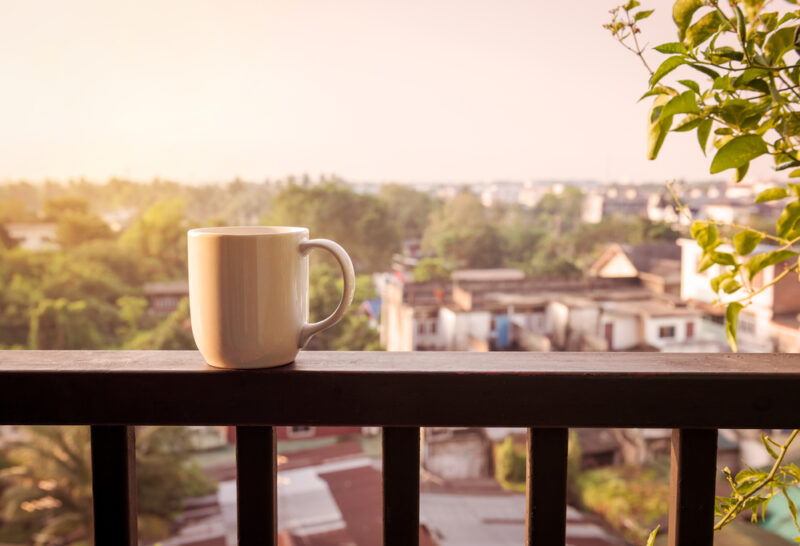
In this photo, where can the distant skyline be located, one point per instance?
(418, 91)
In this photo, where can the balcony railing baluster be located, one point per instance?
(400, 486)
(256, 486)
(693, 469)
(114, 485)
(546, 486)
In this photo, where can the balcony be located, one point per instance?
(694, 394)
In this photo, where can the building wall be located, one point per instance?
(653, 325)
(624, 334)
(458, 327)
(618, 266)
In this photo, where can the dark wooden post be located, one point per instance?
(400, 486)
(256, 485)
(546, 491)
(114, 485)
(693, 469)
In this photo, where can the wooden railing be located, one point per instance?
(694, 394)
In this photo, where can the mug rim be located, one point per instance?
(247, 231)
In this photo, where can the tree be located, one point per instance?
(431, 269)
(409, 208)
(740, 84)
(353, 332)
(173, 333)
(57, 207)
(360, 223)
(48, 488)
(77, 228)
(159, 235)
(62, 324)
(461, 233)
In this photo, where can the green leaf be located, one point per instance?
(705, 70)
(760, 262)
(705, 234)
(659, 126)
(737, 152)
(685, 103)
(691, 84)
(730, 286)
(768, 446)
(669, 64)
(741, 172)
(731, 323)
(740, 24)
(659, 90)
(781, 41)
(682, 12)
(671, 48)
(722, 258)
(688, 123)
(703, 29)
(703, 131)
(771, 194)
(643, 14)
(705, 263)
(746, 241)
(788, 218)
(749, 74)
(719, 279)
(631, 5)
(792, 508)
(651, 540)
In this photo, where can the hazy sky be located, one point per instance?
(413, 90)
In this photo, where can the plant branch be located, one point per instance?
(760, 485)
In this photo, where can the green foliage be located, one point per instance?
(463, 232)
(172, 333)
(353, 332)
(510, 463)
(360, 223)
(431, 269)
(76, 228)
(631, 497)
(47, 487)
(409, 208)
(159, 236)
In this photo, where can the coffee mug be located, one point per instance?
(248, 293)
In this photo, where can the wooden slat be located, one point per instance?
(656, 390)
(256, 485)
(114, 485)
(546, 486)
(692, 481)
(400, 486)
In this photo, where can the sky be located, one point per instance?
(413, 91)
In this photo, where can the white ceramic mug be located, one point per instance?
(248, 293)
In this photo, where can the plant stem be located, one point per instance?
(740, 503)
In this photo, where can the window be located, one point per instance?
(420, 327)
(689, 330)
(300, 432)
(666, 331)
(433, 327)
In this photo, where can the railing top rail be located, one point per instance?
(396, 389)
(638, 364)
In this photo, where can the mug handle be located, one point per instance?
(349, 277)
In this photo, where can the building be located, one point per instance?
(656, 265)
(164, 297)
(33, 236)
(627, 305)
